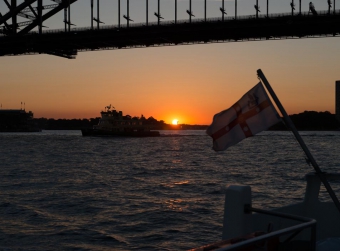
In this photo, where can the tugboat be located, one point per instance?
(113, 123)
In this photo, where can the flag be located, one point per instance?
(253, 113)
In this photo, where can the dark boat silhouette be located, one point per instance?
(113, 123)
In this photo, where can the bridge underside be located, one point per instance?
(68, 44)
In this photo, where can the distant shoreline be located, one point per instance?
(306, 121)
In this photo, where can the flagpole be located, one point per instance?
(291, 125)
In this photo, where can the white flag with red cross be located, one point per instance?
(252, 114)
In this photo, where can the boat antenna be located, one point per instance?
(304, 147)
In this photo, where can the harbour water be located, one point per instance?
(62, 191)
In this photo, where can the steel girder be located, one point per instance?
(36, 19)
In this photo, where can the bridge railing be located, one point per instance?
(186, 21)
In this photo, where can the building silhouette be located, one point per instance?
(17, 121)
(337, 100)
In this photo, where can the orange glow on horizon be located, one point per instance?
(184, 85)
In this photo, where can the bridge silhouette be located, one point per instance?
(31, 37)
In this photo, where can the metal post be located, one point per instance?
(91, 14)
(118, 13)
(158, 13)
(292, 7)
(222, 11)
(128, 14)
(175, 11)
(205, 10)
(65, 18)
(190, 11)
(98, 14)
(40, 4)
(334, 6)
(14, 17)
(235, 9)
(69, 16)
(267, 8)
(300, 8)
(257, 8)
(147, 12)
(290, 124)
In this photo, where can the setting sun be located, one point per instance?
(175, 122)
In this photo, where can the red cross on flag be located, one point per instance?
(252, 114)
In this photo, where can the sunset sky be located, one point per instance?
(188, 83)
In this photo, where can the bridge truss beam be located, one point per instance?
(36, 18)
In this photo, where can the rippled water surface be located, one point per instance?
(62, 191)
